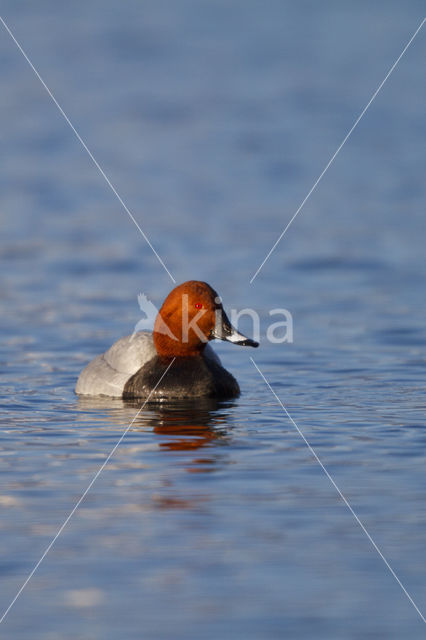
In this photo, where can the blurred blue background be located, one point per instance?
(213, 119)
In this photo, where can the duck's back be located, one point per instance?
(107, 374)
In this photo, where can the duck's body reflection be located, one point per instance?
(181, 425)
(189, 425)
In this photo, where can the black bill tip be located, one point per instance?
(246, 343)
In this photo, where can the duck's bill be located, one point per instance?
(225, 331)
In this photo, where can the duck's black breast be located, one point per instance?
(192, 377)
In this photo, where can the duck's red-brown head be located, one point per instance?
(191, 315)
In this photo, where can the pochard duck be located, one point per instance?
(178, 349)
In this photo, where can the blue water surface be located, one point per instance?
(213, 119)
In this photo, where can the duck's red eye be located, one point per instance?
(198, 305)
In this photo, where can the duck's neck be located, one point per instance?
(167, 347)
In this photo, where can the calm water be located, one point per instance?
(213, 120)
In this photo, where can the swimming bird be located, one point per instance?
(191, 316)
